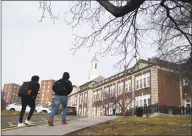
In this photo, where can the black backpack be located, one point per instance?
(23, 89)
(61, 87)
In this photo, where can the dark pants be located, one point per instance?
(114, 110)
(24, 102)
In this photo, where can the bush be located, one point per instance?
(139, 111)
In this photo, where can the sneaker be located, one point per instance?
(28, 122)
(20, 125)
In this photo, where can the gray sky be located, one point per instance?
(31, 47)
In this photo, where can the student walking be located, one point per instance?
(62, 89)
(114, 109)
(28, 93)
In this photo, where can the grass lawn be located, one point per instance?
(175, 125)
(11, 113)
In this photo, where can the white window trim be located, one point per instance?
(142, 80)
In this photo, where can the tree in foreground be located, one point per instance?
(124, 27)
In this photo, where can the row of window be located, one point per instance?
(143, 81)
(9, 86)
(82, 112)
(47, 86)
(46, 90)
(44, 83)
(82, 99)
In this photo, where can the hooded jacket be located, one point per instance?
(67, 83)
(34, 86)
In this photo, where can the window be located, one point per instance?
(149, 101)
(141, 103)
(94, 97)
(144, 82)
(137, 103)
(95, 65)
(145, 101)
(141, 84)
(120, 88)
(137, 84)
(130, 86)
(185, 81)
(127, 87)
(188, 105)
(148, 81)
(112, 91)
(17, 103)
(108, 92)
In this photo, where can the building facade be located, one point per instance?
(10, 93)
(147, 82)
(46, 94)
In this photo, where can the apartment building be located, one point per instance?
(10, 93)
(46, 93)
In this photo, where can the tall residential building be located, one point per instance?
(148, 82)
(46, 93)
(10, 93)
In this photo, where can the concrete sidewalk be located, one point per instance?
(59, 129)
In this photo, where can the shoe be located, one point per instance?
(21, 125)
(64, 122)
(28, 122)
(50, 122)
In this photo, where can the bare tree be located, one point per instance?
(130, 22)
(122, 27)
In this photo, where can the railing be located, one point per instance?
(161, 109)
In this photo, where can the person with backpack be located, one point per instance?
(62, 89)
(28, 93)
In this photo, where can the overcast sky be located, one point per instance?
(31, 47)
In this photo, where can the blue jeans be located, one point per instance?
(63, 100)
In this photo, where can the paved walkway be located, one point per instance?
(59, 129)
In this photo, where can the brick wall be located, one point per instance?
(169, 88)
